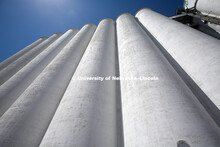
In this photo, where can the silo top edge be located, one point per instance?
(141, 10)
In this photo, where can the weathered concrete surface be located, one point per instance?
(13, 88)
(157, 113)
(197, 54)
(20, 53)
(15, 66)
(86, 115)
(25, 122)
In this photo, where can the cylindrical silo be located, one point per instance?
(25, 122)
(161, 111)
(209, 7)
(86, 115)
(15, 66)
(196, 55)
(13, 88)
(20, 53)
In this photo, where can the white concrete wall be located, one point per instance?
(197, 54)
(15, 66)
(157, 113)
(25, 122)
(86, 115)
(13, 88)
(20, 53)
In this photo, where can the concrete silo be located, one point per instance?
(88, 108)
(195, 56)
(26, 121)
(154, 111)
(137, 81)
(15, 86)
(21, 53)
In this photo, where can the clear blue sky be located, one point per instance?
(24, 21)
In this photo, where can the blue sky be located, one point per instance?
(24, 21)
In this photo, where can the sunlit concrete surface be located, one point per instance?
(197, 54)
(44, 103)
(156, 110)
(88, 108)
(22, 52)
(14, 87)
(34, 109)
(15, 66)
